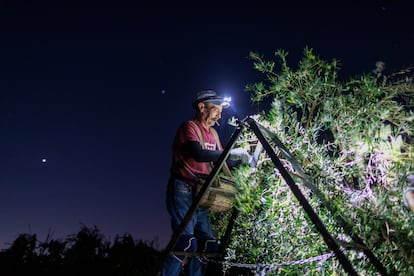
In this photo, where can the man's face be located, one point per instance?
(210, 113)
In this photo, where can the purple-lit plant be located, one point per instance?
(353, 138)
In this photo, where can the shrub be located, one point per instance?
(353, 139)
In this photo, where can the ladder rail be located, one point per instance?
(329, 240)
(337, 216)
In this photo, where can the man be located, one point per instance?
(190, 159)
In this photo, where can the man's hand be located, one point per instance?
(240, 154)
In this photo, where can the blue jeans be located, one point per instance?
(179, 201)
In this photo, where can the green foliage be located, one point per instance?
(353, 139)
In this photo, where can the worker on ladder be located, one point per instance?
(192, 155)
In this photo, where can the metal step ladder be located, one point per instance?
(264, 136)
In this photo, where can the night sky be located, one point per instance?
(90, 98)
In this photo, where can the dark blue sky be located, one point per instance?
(99, 92)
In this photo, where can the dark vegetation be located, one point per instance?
(86, 253)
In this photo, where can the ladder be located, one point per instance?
(264, 135)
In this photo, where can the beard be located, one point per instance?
(214, 121)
